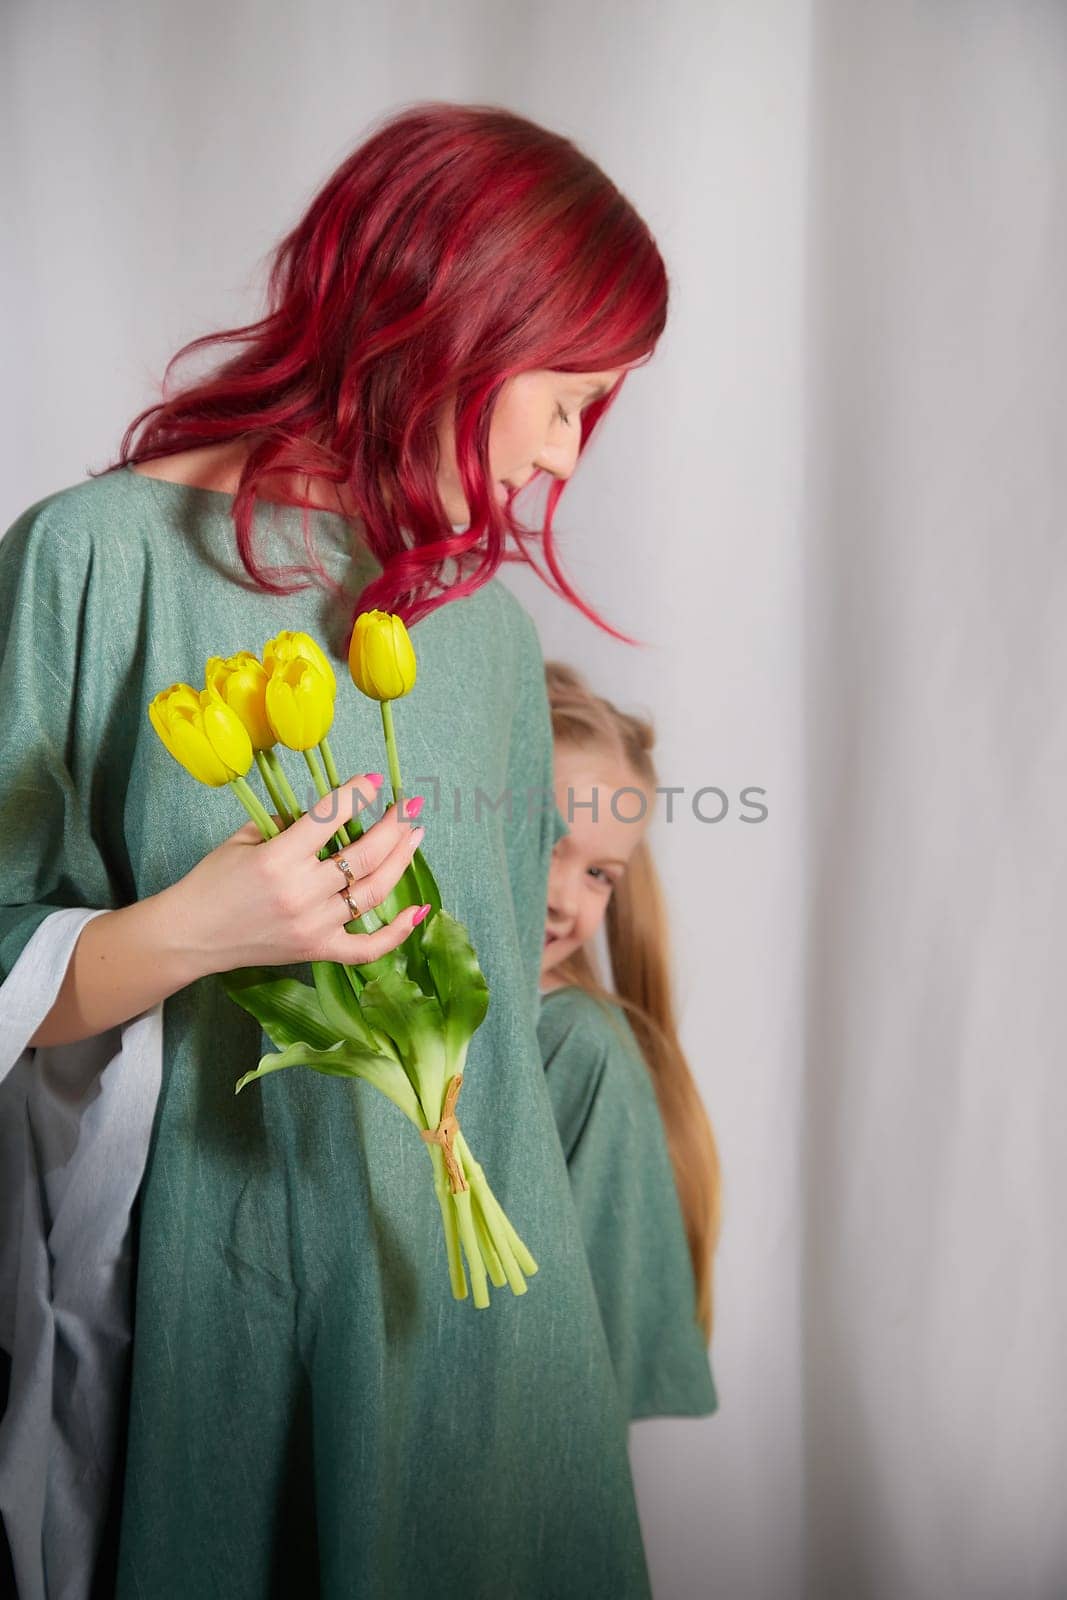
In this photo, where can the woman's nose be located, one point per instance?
(561, 459)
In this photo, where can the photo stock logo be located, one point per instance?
(707, 804)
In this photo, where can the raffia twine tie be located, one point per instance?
(445, 1133)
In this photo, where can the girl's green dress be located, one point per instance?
(310, 1412)
(631, 1219)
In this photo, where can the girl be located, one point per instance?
(640, 1152)
(309, 1411)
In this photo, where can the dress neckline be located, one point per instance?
(224, 499)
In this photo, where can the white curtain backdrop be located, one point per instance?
(833, 506)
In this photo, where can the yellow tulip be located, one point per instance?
(241, 681)
(299, 703)
(381, 657)
(289, 646)
(202, 733)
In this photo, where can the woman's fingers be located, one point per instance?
(248, 833)
(309, 833)
(302, 893)
(370, 889)
(357, 949)
(365, 854)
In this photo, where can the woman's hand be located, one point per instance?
(271, 902)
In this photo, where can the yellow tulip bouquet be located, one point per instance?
(404, 1022)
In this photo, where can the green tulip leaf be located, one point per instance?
(341, 1008)
(407, 959)
(458, 980)
(340, 1004)
(345, 1060)
(354, 980)
(419, 887)
(399, 1008)
(424, 890)
(416, 886)
(394, 962)
(285, 1008)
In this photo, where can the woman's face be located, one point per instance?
(535, 425)
(589, 861)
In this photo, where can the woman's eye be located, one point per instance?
(563, 417)
(603, 876)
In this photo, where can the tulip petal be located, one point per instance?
(226, 734)
(192, 749)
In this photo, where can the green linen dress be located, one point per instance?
(623, 1183)
(310, 1412)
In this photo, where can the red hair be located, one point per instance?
(456, 247)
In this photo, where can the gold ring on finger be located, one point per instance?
(343, 866)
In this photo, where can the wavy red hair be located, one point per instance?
(457, 246)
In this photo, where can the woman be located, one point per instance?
(308, 1407)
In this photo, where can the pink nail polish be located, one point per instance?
(376, 778)
(420, 915)
(413, 806)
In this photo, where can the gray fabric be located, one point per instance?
(75, 1125)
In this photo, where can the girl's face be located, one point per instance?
(535, 426)
(588, 863)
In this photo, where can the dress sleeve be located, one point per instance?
(75, 1119)
(627, 1203)
(57, 689)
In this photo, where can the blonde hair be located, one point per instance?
(637, 934)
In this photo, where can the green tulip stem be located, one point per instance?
(442, 1189)
(272, 789)
(329, 763)
(318, 778)
(514, 1256)
(471, 1248)
(354, 828)
(256, 810)
(284, 786)
(390, 750)
(486, 1245)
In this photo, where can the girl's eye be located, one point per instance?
(604, 877)
(563, 417)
